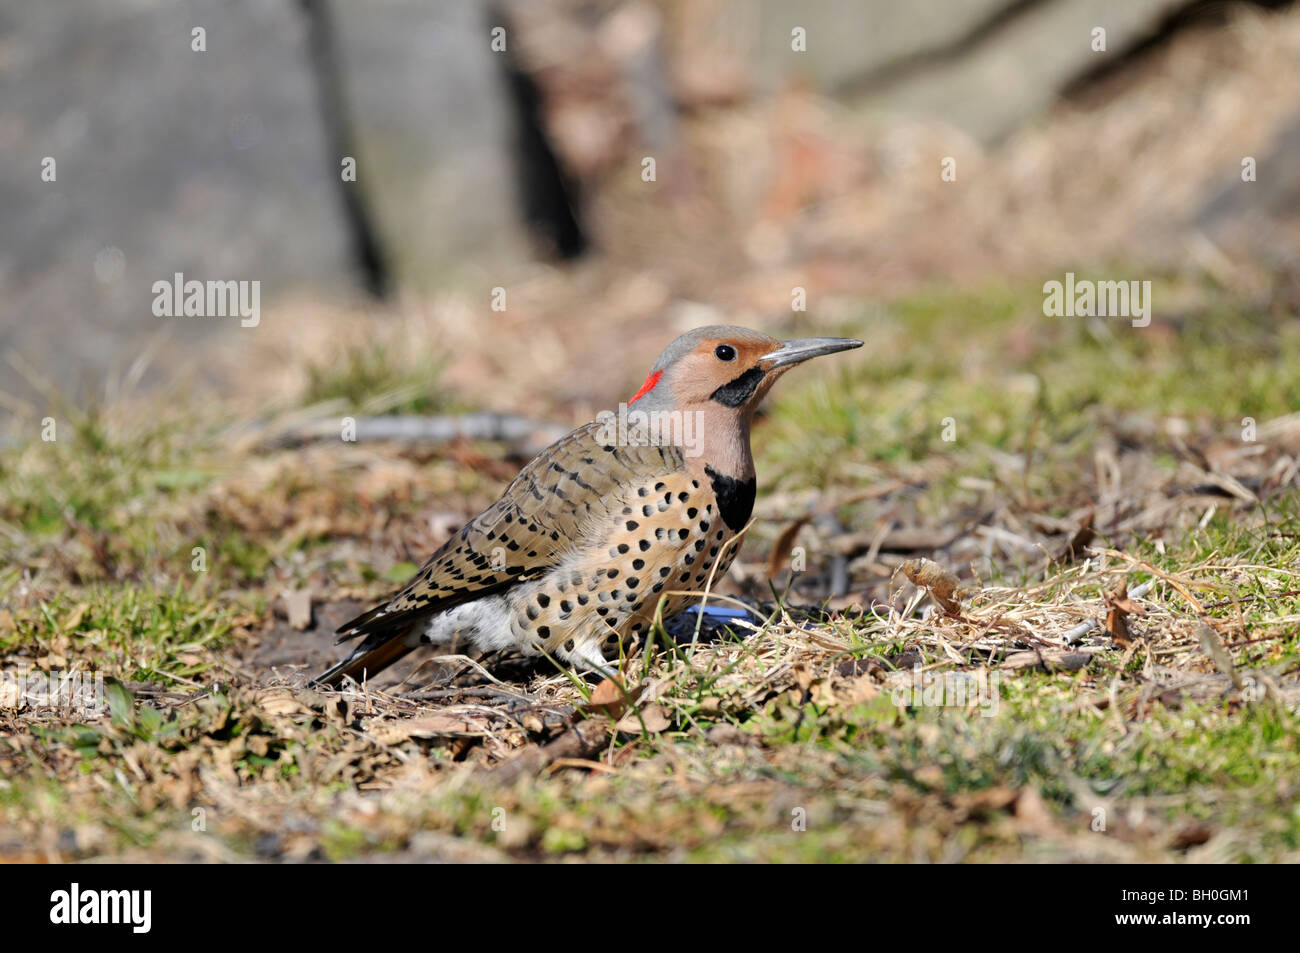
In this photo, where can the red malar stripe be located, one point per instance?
(648, 386)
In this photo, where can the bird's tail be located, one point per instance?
(375, 653)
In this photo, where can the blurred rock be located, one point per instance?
(428, 104)
(985, 66)
(225, 164)
(168, 160)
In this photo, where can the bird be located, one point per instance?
(636, 507)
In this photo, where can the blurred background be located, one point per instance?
(794, 146)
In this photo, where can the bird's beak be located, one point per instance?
(795, 352)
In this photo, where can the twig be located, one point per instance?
(406, 428)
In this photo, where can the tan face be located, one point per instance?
(726, 370)
(722, 373)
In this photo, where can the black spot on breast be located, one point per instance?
(736, 392)
(735, 498)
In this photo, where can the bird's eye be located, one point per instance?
(725, 352)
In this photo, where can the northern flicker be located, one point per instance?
(603, 524)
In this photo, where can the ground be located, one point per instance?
(958, 500)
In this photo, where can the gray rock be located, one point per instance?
(169, 160)
(986, 66)
(427, 101)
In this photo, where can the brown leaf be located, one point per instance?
(611, 698)
(1080, 541)
(1118, 608)
(1191, 834)
(653, 716)
(942, 584)
(441, 723)
(861, 689)
(1031, 813)
(280, 701)
(75, 616)
(803, 676)
(10, 696)
(781, 548)
(1212, 645)
(297, 605)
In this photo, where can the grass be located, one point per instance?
(379, 378)
(785, 744)
(1013, 381)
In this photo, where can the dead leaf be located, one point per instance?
(653, 716)
(280, 701)
(1118, 608)
(725, 734)
(75, 616)
(985, 802)
(1191, 834)
(442, 724)
(610, 698)
(1032, 812)
(1080, 541)
(942, 584)
(297, 605)
(781, 548)
(10, 696)
(1212, 645)
(861, 689)
(804, 677)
